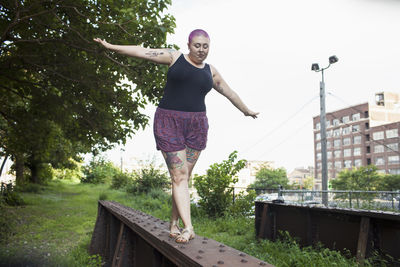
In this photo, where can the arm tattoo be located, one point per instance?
(154, 53)
(173, 160)
(192, 155)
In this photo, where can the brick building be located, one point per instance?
(361, 135)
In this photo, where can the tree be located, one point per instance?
(364, 178)
(308, 183)
(62, 94)
(390, 182)
(215, 188)
(270, 178)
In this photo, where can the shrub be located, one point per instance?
(99, 171)
(147, 179)
(9, 196)
(120, 180)
(215, 189)
(243, 205)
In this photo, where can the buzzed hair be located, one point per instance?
(198, 32)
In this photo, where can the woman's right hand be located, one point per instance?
(103, 43)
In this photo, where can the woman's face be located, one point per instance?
(198, 49)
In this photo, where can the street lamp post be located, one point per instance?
(324, 171)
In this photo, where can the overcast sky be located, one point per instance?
(264, 50)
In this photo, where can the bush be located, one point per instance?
(9, 196)
(99, 171)
(244, 204)
(29, 188)
(215, 189)
(120, 180)
(147, 179)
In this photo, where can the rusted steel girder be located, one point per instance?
(126, 237)
(359, 231)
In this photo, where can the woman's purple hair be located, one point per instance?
(198, 32)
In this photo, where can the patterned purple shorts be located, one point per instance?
(176, 130)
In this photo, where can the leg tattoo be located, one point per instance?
(173, 160)
(192, 155)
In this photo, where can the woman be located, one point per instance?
(180, 122)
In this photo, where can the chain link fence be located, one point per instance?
(368, 200)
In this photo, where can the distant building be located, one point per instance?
(361, 135)
(298, 175)
(247, 175)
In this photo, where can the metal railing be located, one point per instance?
(369, 200)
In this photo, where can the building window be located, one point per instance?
(347, 163)
(393, 160)
(368, 161)
(330, 165)
(379, 149)
(355, 117)
(346, 130)
(378, 135)
(336, 132)
(347, 153)
(329, 134)
(355, 128)
(318, 146)
(338, 165)
(368, 149)
(345, 119)
(357, 140)
(318, 136)
(392, 133)
(336, 143)
(366, 125)
(366, 115)
(393, 147)
(357, 162)
(367, 137)
(379, 161)
(337, 153)
(328, 123)
(329, 154)
(319, 165)
(328, 144)
(318, 126)
(357, 151)
(319, 156)
(346, 141)
(335, 122)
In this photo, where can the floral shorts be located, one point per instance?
(175, 130)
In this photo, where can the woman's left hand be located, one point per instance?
(251, 114)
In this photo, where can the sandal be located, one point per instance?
(174, 233)
(186, 235)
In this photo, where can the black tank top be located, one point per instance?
(186, 87)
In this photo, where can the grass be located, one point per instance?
(55, 228)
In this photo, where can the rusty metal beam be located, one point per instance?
(150, 244)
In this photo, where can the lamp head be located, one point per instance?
(315, 67)
(333, 59)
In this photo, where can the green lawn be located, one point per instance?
(55, 227)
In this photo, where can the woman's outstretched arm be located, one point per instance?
(159, 55)
(223, 88)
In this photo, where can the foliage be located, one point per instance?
(120, 180)
(29, 188)
(74, 206)
(215, 188)
(390, 182)
(308, 183)
(9, 196)
(364, 178)
(99, 171)
(267, 178)
(74, 171)
(149, 178)
(61, 94)
(243, 205)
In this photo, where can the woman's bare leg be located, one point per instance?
(178, 169)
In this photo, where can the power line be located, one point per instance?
(280, 125)
(285, 140)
